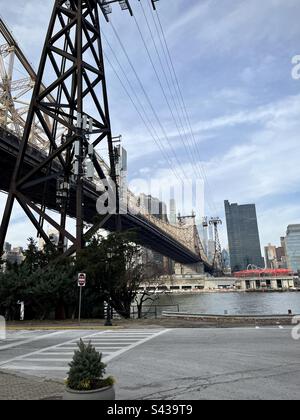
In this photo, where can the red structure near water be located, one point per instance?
(264, 273)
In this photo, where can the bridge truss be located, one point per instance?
(70, 103)
(16, 87)
(68, 117)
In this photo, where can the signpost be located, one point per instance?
(81, 284)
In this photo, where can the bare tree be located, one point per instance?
(152, 274)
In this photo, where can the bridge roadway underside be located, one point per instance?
(148, 234)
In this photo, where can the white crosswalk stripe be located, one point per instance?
(19, 338)
(57, 358)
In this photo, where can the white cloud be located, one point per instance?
(234, 25)
(285, 107)
(248, 39)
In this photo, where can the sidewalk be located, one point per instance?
(93, 324)
(13, 387)
(177, 320)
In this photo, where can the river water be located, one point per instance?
(234, 303)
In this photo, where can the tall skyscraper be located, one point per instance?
(173, 215)
(211, 244)
(158, 209)
(226, 258)
(271, 256)
(243, 236)
(292, 244)
(154, 206)
(203, 232)
(163, 211)
(275, 256)
(7, 247)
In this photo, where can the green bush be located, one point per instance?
(87, 370)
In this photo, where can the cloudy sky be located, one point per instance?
(233, 62)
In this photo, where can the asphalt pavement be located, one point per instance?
(166, 364)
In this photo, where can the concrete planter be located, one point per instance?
(103, 394)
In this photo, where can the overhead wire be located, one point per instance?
(179, 163)
(141, 116)
(184, 107)
(177, 121)
(190, 143)
(176, 98)
(148, 99)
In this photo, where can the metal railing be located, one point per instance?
(153, 311)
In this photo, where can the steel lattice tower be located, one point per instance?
(74, 120)
(218, 263)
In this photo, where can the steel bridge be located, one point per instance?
(178, 243)
(31, 168)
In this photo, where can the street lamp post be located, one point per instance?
(108, 322)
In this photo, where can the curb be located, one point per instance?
(59, 328)
(231, 319)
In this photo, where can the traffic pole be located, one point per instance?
(80, 300)
(81, 284)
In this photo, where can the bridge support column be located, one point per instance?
(5, 220)
(70, 106)
(191, 269)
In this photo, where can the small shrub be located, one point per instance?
(87, 370)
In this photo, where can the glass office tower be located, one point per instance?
(243, 236)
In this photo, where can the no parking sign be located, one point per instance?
(81, 280)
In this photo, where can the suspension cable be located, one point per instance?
(179, 129)
(146, 120)
(196, 147)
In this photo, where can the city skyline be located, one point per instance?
(149, 202)
(240, 164)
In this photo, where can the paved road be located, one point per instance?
(251, 363)
(47, 354)
(212, 364)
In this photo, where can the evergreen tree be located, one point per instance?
(86, 369)
(35, 258)
(15, 286)
(45, 283)
(2, 262)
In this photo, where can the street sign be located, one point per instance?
(81, 280)
(81, 284)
